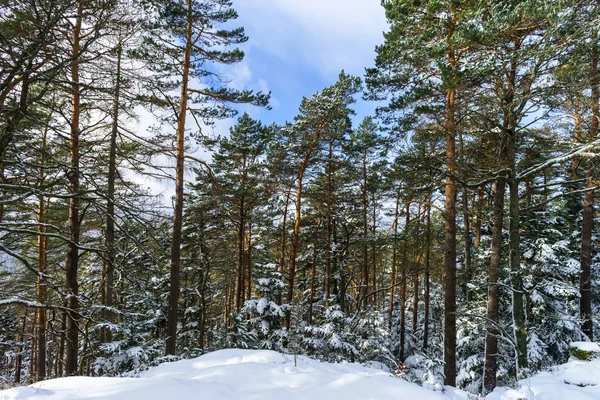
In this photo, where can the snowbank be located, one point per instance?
(575, 380)
(586, 346)
(237, 374)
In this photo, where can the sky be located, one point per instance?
(298, 47)
(295, 48)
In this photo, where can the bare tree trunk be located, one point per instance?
(179, 185)
(364, 287)
(492, 332)
(61, 345)
(374, 250)
(427, 279)
(40, 373)
(72, 265)
(239, 282)
(19, 358)
(32, 359)
(515, 260)
(339, 267)
(283, 239)
(466, 232)
(585, 304)
(450, 242)
(394, 262)
(313, 274)
(403, 285)
(328, 227)
(109, 262)
(249, 259)
(226, 304)
(416, 275)
(295, 238)
(480, 199)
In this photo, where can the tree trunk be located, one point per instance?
(249, 259)
(480, 200)
(416, 275)
(61, 345)
(239, 282)
(585, 304)
(109, 262)
(467, 231)
(72, 345)
(394, 262)
(373, 249)
(283, 240)
(32, 359)
(426, 279)
(313, 275)
(328, 227)
(40, 373)
(179, 184)
(450, 243)
(295, 238)
(515, 258)
(492, 333)
(403, 285)
(364, 287)
(19, 357)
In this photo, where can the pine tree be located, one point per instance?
(195, 24)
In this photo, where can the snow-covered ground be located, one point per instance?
(257, 374)
(236, 374)
(575, 380)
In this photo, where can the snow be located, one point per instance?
(575, 380)
(262, 374)
(586, 346)
(237, 374)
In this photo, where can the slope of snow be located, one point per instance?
(237, 374)
(575, 380)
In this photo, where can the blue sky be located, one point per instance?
(298, 47)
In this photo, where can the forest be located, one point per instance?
(450, 236)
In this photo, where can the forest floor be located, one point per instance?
(258, 374)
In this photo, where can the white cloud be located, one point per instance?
(326, 34)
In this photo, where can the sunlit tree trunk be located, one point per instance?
(179, 185)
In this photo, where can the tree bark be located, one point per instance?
(313, 275)
(450, 242)
(283, 239)
(364, 287)
(72, 345)
(249, 259)
(239, 282)
(328, 227)
(109, 262)
(515, 259)
(466, 229)
(585, 304)
(480, 200)
(403, 285)
(295, 238)
(492, 333)
(19, 357)
(40, 373)
(179, 185)
(394, 262)
(374, 248)
(426, 279)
